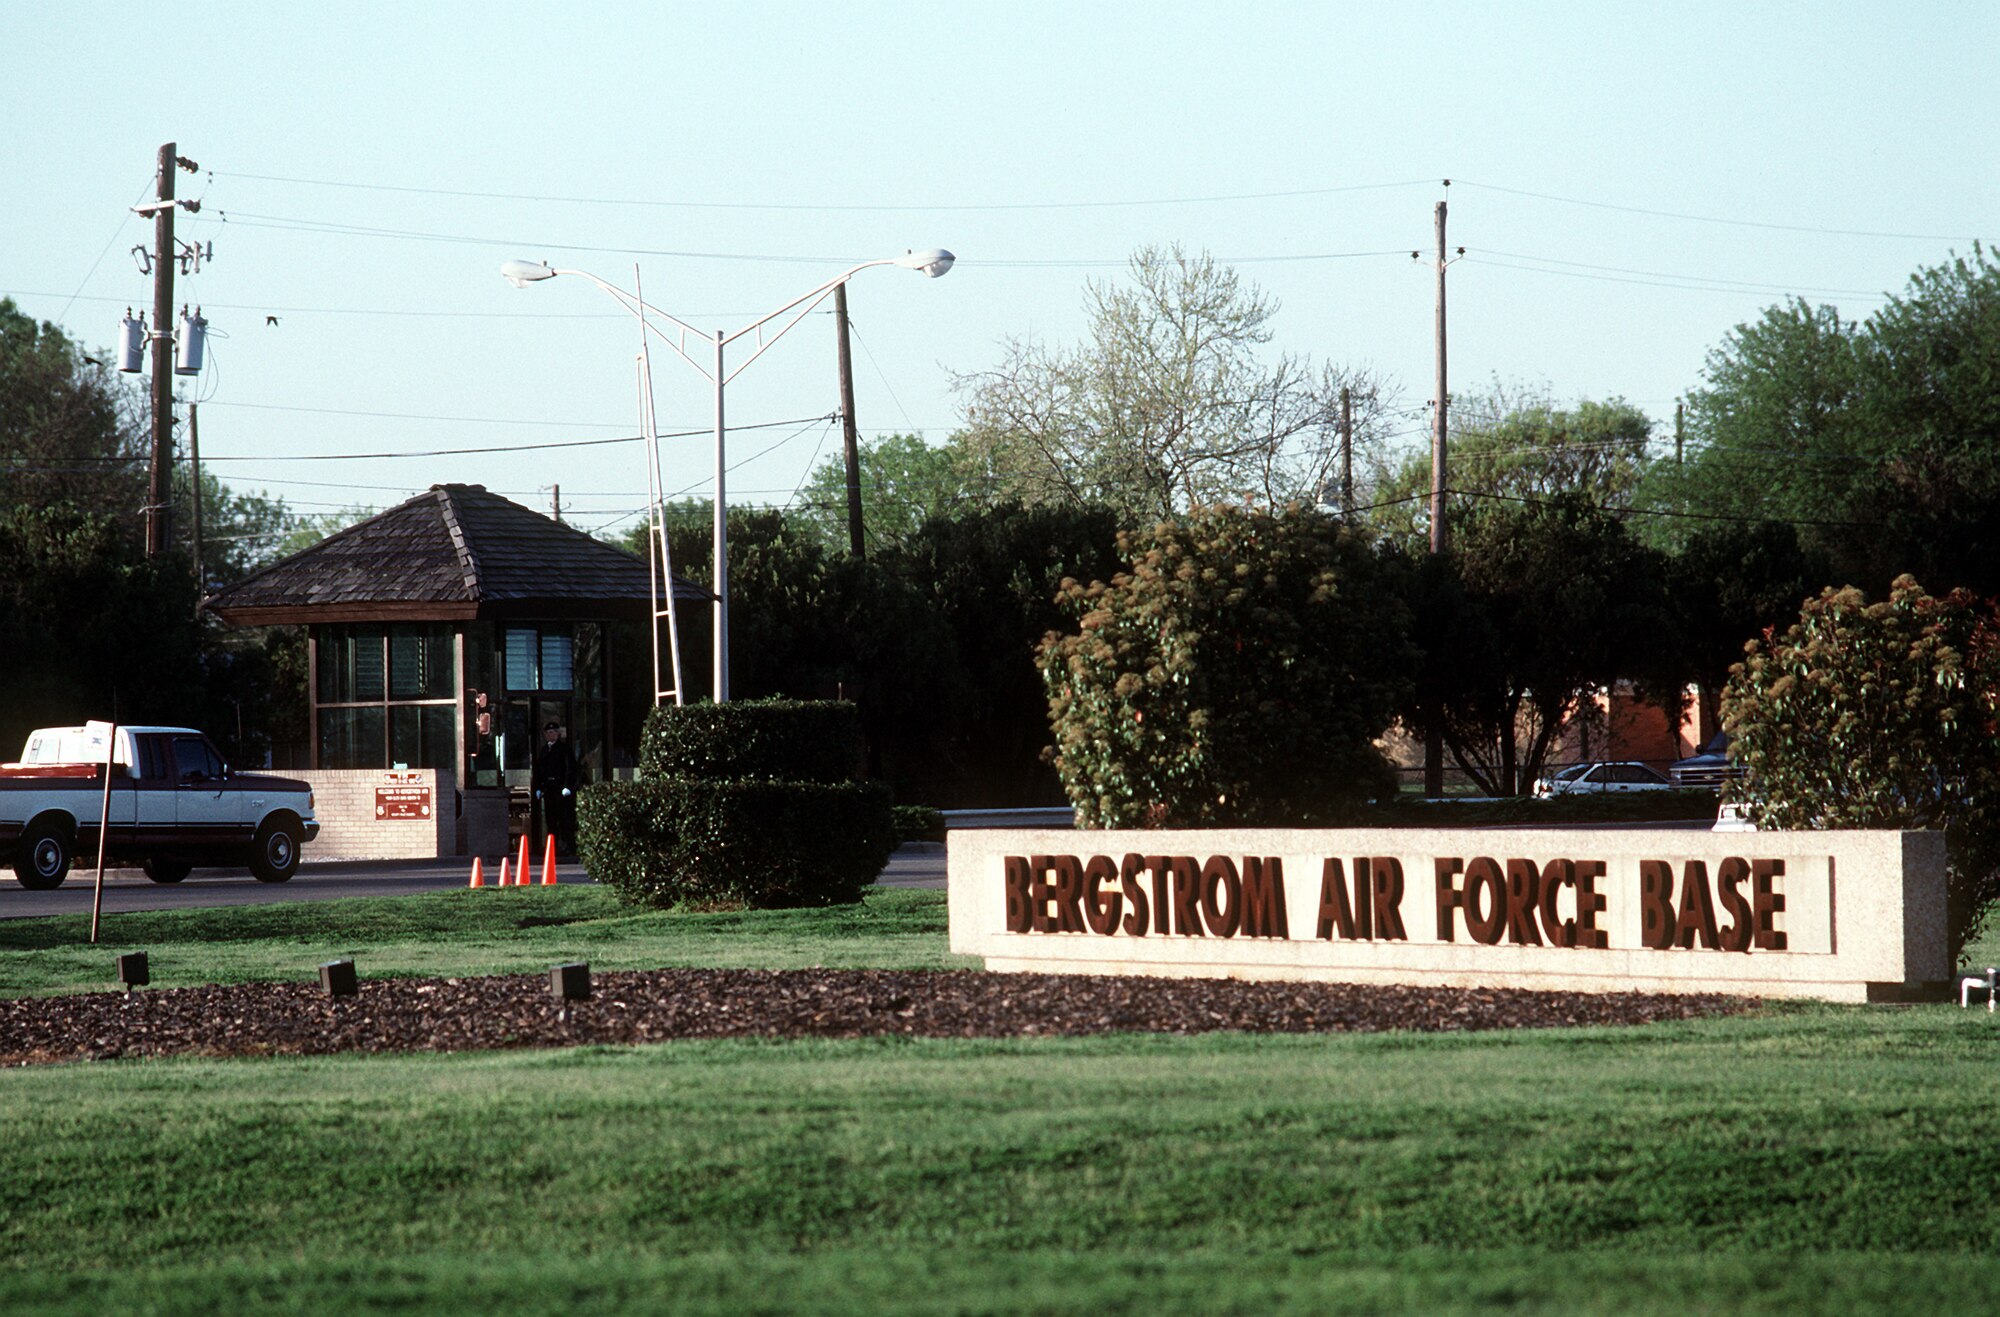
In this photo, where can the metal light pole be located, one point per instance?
(932, 264)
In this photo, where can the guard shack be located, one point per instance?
(443, 635)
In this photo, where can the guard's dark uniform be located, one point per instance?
(555, 792)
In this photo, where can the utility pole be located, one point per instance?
(1347, 454)
(850, 432)
(1434, 731)
(1680, 417)
(1438, 417)
(159, 488)
(194, 459)
(555, 502)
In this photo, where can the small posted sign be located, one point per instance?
(403, 796)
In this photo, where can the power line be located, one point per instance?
(1687, 287)
(1669, 274)
(300, 225)
(1716, 219)
(817, 207)
(505, 448)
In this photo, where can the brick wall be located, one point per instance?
(382, 814)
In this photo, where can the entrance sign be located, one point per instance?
(1841, 916)
(403, 796)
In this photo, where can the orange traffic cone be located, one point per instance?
(503, 872)
(549, 862)
(478, 874)
(524, 873)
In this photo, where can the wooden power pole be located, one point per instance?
(850, 432)
(1438, 418)
(1434, 729)
(1347, 454)
(159, 488)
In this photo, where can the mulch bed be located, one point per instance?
(467, 1014)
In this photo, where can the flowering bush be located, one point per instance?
(1239, 673)
(1883, 715)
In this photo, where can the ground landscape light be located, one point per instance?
(132, 970)
(338, 979)
(571, 982)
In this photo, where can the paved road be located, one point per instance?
(919, 864)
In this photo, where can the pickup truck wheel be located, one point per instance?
(274, 856)
(162, 869)
(42, 861)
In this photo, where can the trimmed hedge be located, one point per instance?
(918, 823)
(753, 803)
(777, 740)
(766, 844)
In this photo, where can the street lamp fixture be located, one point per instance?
(932, 264)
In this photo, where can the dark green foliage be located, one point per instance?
(92, 629)
(768, 845)
(1238, 674)
(1726, 586)
(753, 802)
(1880, 438)
(1535, 606)
(780, 740)
(991, 576)
(918, 823)
(1880, 716)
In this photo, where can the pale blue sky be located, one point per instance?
(1692, 162)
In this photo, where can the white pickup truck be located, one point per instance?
(174, 804)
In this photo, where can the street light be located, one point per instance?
(932, 264)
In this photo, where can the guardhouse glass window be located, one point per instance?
(540, 658)
(384, 696)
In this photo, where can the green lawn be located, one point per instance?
(1814, 1158)
(494, 931)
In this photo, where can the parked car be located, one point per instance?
(1709, 769)
(1579, 779)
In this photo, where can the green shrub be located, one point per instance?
(1880, 716)
(918, 823)
(1239, 674)
(780, 740)
(770, 845)
(752, 803)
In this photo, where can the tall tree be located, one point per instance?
(992, 576)
(905, 481)
(1169, 403)
(1880, 439)
(1513, 447)
(71, 431)
(1535, 607)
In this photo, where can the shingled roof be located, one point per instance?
(453, 553)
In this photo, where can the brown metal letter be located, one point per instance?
(1219, 877)
(1656, 904)
(1449, 897)
(1135, 896)
(1729, 876)
(1385, 883)
(1589, 904)
(1767, 904)
(1101, 908)
(1187, 896)
(1483, 874)
(1333, 909)
(1524, 880)
(1264, 897)
(1015, 868)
